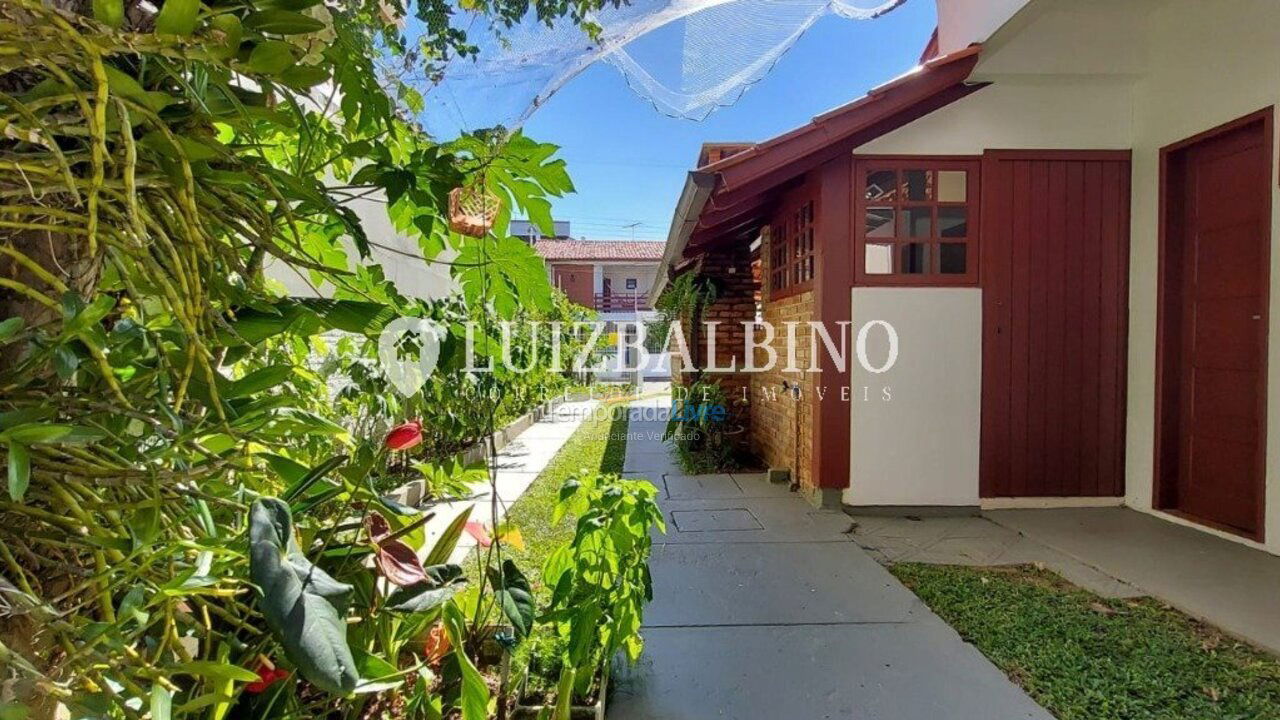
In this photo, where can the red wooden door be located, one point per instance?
(1213, 350)
(1055, 250)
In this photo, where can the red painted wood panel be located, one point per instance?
(577, 282)
(1055, 301)
(1211, 392)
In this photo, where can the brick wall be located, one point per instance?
(735, 303)
(773, 408)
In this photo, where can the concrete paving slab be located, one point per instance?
(773, 583)
(914, 671)
(781, 520)
(1234, 587)
(974, 541)
(654, 464)
(755, 484)
(692, 487)
(718, 520)
(789, 620)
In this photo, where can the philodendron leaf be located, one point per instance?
(301, 602)
(441, 584)
(514, 595)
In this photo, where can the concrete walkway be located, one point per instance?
(765, 609)
(517, 466)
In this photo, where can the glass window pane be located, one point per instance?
(879, 222)
(953, 222)
(914, 259)
(916, 222)
(918, 184)
(953, 186)
(952, 258)
(878, 259)
(881, 185)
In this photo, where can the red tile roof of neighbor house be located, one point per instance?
(598, 250)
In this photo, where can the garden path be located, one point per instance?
(517, 465)
(765, 609)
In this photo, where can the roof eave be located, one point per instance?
(698, 186)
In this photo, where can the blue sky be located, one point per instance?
(629, 162)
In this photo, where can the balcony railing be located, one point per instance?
(619, 302)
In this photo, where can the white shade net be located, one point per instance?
(687, 57)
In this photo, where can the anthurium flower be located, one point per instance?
(397, 562)
(268, 675)
(436, 645)
(477, 531)
(377, 526)
(405, 436)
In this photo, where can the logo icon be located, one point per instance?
(409, 376)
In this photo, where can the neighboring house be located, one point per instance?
(529, 232)
(611, 278)
(1067, 214)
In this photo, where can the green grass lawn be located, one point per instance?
(1087, 658)
(599, 444)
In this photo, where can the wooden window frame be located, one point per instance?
(865, 164)
(798, 210)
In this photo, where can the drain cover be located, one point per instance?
(711, 520)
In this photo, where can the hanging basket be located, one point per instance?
(472, 210)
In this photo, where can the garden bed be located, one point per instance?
(599, 444)
(1084, 657)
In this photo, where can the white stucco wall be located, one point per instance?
(413, 276)
(1020, 113)
(1210, 63)
(922, 448)
(919, 447)
(619, 273)
(963, 22)
(1162, 71)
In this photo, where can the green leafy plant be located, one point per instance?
(681, 301)
(155, 382)
(601, 582)
(703, 424)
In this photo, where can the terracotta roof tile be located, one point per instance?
(598, 250)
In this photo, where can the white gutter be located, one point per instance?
(697, 190)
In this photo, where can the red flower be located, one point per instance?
(437, 644)
(395, 560)
(268, 675)
(477, 530)
(403, 437)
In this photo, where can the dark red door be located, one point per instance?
(1218, 200)
(1055, 248)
